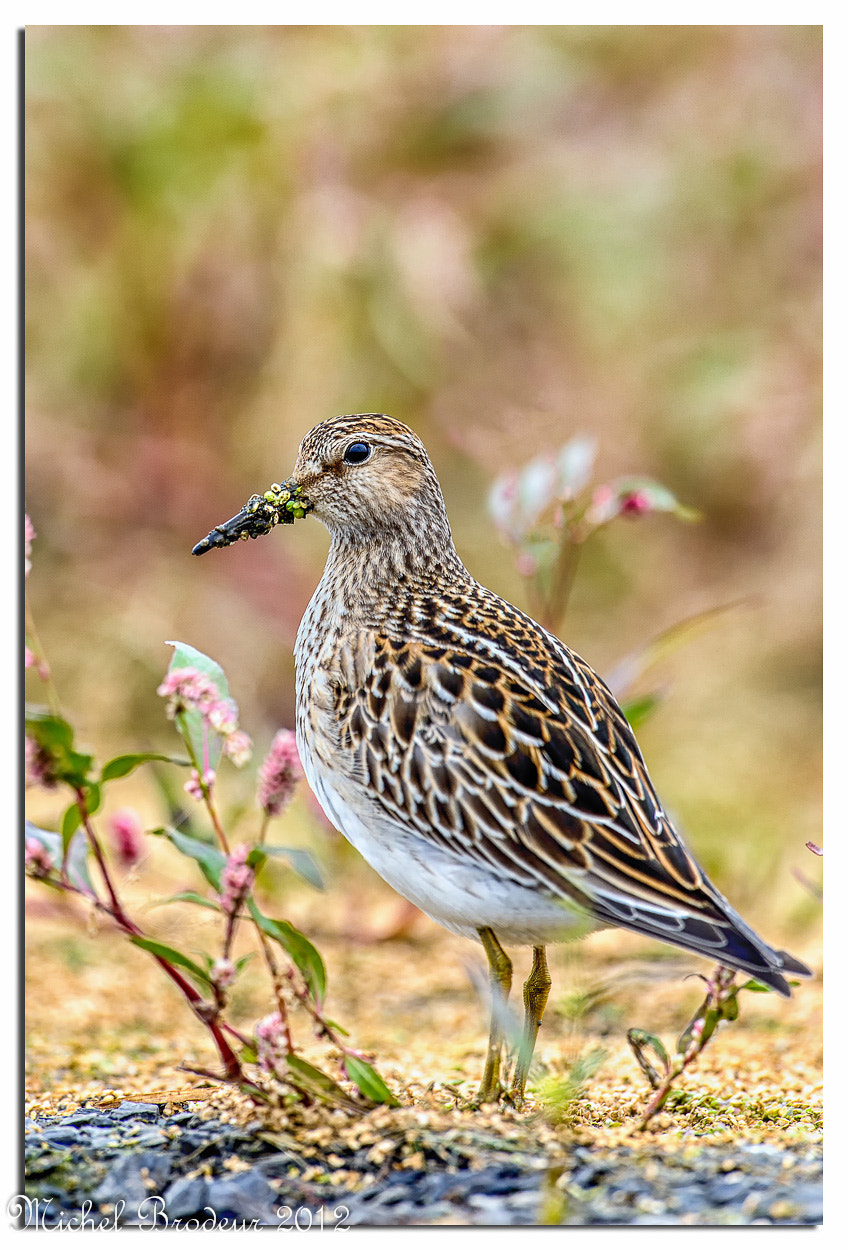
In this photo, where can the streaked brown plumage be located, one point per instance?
(481, 767)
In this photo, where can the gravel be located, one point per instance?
(132, 1165)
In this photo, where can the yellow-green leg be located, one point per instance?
(500, 978)
(536, 990)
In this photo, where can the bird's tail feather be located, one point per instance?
(727, 940)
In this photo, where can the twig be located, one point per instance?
(721, 1003)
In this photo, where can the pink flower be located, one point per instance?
(127, 837)
(223, 716)
(502, 503)
(29, 535)
(238, 747)
(198, 786)
(271, 1046)
(38, 765)
(279, 773)
(635, 503)
(37, 861)
(222, 973)
(31, 660)
(604, 506)
(236, 879)
(526, 564)
(186, 688)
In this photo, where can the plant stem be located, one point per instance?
(216, 821)
(42, 667)
(201, 770)
(720, 1004)
(116, 911)
(276, 981)
(562, 580)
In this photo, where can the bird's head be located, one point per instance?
(366, 473)
(368, 478)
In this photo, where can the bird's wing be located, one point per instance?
(517, 754)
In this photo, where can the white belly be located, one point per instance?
(461, 894)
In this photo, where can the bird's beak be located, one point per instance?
(282, 504)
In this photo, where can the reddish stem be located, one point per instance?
(116, 910)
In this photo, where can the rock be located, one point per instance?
(186, 1196)
(135, 1111)
(61, 1135)
(244, 1196)
(133, 1179)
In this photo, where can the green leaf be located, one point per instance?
(93, 797)
(298, 947)
(209, 859)
(248, 1053)
(52, 731)
(730, 1007)
(301, 861)
(71, 821)
(642, 1039)
(368, 1081)
(55, 736)
(639, 1041)
(173, 957)
(190, 723)
(336, 1027)
(638, 710)
(121, 765)
(76, 767)
(307, 1076)
(187, 896)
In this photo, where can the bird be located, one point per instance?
(478, 764)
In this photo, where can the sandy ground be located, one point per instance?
(102, 1023)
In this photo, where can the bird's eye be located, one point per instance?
(357, 453)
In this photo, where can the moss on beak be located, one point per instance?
(280, 505)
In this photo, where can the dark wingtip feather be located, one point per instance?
(788, 963)
(774, 981)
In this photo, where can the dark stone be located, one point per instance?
(66, 1135)
(125, 1183)
(147, 1136)
(86, 1117)
(732, 1188)
(135, 1111)
(186, 1196)
(106, 1140)
(244, 1196)
(588, 1175)
(186, 1117)
(92, 1155)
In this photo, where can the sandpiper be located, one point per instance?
(483, 769)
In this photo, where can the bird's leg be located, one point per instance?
(500, 978)
(536, 990)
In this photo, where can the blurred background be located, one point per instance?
(504, 236)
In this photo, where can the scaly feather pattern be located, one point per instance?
(481, 766)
